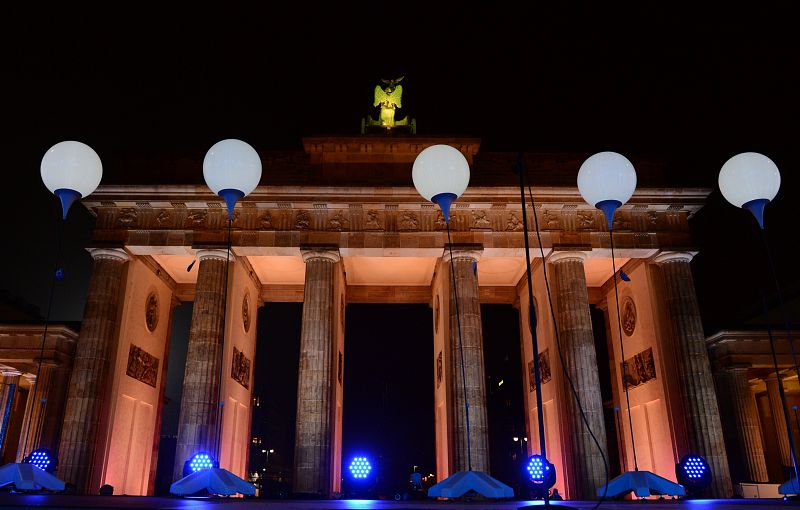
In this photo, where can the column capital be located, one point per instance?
(213, 254)
(771, 377)
(10, 372)
(558, 256)
(463, 251)
(673, 256)
(31, 378)
(322, 252)
(109, 253)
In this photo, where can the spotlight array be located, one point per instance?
(41, 459)
(536, 468)
(695, 467)
(201, 461)
(694, 473)
(360, 468)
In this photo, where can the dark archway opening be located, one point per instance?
(388, 392)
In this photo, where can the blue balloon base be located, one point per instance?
(443, 200)
(231, 196)
(67, 197)
(757, 208)
(609, 207)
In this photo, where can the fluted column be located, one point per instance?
(700, 407)
(29, 438)
(89, 381)
(778, 418)
(748, 424)
(312, 450)
(577, 339)
(469, 314)
(7, 395)
(197, 425)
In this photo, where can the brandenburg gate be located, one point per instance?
(340, 223)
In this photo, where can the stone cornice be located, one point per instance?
(688, 200)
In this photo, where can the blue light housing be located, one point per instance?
(694, 473)
(540, 473)
(360, 468)
(198, 461)
(43, 459)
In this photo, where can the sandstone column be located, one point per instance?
(776, 407)
(29, 438)
(7, 395)
(577, 341)
(748, 425)
(700, 407)
(469, 313)
(197, 425)
(89, 381)
(312, 448)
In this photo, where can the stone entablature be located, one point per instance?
(383, 217)
(750, 349)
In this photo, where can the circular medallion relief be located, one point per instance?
(246, 312)
(151, 311)
(628, 316)
(436, 314)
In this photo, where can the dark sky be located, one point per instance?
(669, 79)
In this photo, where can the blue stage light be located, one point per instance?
(540, 475)
(42, 458)
(694, 473)
(198, 461)
(360, 468)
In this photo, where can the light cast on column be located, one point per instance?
(197, 424)
(700, 406)
(776, 408)
(577, 341)
(314, 427)
(80, 433)
(469, 312)
(8, 394)
(748, 424)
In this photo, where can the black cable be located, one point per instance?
(460, 347)
(221, 404)
(561, 354)
(787, 325)
(780, 389)
(622, 350)
(532, 321)
(59, 243)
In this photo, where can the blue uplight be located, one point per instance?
(360, 468)
(201, 461)
(693, 472)
(42, 459)
(540, 475)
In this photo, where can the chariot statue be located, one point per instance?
(388, 97)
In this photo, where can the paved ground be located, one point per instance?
(18, 501)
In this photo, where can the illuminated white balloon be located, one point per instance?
(232, 169)
(607, 180)
(71, 170)
(441, 175)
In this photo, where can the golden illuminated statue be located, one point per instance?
(389, 98)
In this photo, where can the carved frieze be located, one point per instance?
(246, 312)
(480, 220)
(409, 221)
(640, 368)
(240, 368)
(151, 311)
(338, 221)
(373, 221)
(514, 223)
(544, 370)
(628, 316)
(142, 366)
(302, 221)
(127, 217)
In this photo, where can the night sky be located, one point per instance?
(656, 80)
